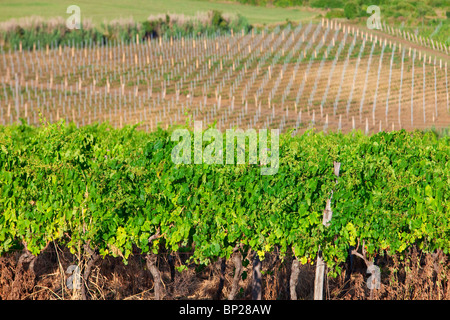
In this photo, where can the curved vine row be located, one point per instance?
(115, 189)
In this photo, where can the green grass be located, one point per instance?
(102, 10)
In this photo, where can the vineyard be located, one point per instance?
(100, 191)
(326, 75)
(87, 173)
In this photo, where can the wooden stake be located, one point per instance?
(320, 266)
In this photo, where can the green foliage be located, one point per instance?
(351, 10)
(287, 3)
(115, 188)
(218, 21)
(41, 36)
(415, 16)
(150, 28)
(254, 2)
(440, 133)
(335, 13)
(276, 3)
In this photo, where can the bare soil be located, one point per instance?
(417, 275)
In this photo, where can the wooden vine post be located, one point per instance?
(151, 261)
(256, 278)
(320, 266)
(237, 259)
(91, 259)
(295, 272)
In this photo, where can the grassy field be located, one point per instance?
(100, 11)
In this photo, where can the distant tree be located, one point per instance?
(218, 20)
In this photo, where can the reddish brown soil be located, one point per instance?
(419, 276)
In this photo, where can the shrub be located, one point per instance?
(150, 29)
(218, 21)
(351, 10)
(327, 4)
(40, 32)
